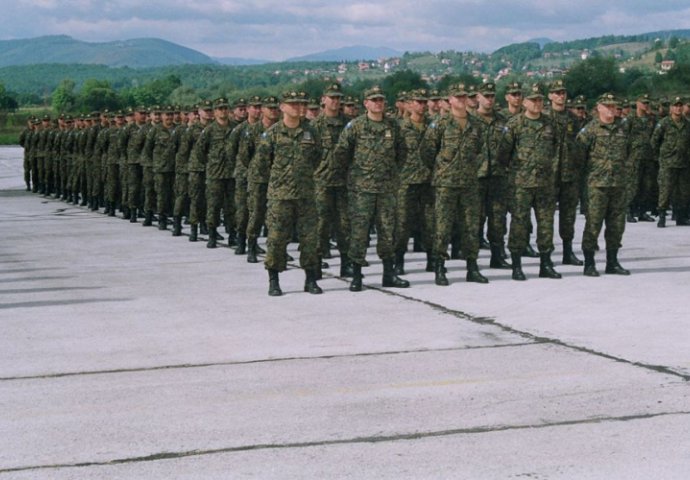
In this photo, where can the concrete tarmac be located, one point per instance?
(126, 353)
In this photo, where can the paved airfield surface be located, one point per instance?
(126, 353)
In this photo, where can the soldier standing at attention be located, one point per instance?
(529, 146)
(568, 168)
(112, 177)
(289, 150)
(415, 195)
(453, 146)
(606, 147)
(671, 139)
(372, 149)
(148, 177)
(24, 140)
(159, 152)
(331, 190)
(197, 172)
(135, 145)
(643, 170)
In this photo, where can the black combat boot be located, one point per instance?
(212, 238)
(274, 284)
(177, 226)
(630, 216)
(194, 232)
(111, 211)
(75, 199)
(429, 262)
(661, 223)
(162, 222)
(390, 279)
(455, 253)
(473, 274)
(133, 215)
(530, 252)
(497, 260)
(251, 251)
(356, 283)
(399, 268)
(310, 284)
(148, 219)
(232, 237)
(327, 252)
(518, 274)
(440, 278)
(483, 243)
(126, 213)
(546, 269)
(645, 217)
(345, 266)
(417, 243)
(590, 265)
(84, 201)
(569, 257)
(203, 229)
(241, 245)
(612, 265)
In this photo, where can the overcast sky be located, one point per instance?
(279, 29)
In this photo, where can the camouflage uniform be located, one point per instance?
(607, 165)
(672, 141)
(159, 152)
(197, 179)
(25, 141)
(219, 183)
(257, 185)
(135, 146)
(290, 155)
(241, 134)
(641, 191)
(113, 154)
(184, 150)
(373, 152)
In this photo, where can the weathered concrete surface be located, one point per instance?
(127, 353)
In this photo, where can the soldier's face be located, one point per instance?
(677, 110)
(514, 99)
(240, 113)
(433, 106)
(221, 113)
(167, 119)
(486, 102)
(607, 113)
(375, 105)
(271, 113)
(253, 112)
(331, 104)
(558, 98)
(534, 105)
(417, 106)
(472, 102)
(458, 104)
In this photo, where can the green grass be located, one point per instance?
(9, 138)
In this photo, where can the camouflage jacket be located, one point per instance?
(640, 131)
(113, 152)
(372, 153)
(290, 155)
(160, 148)
(256, 172)
(670, 140)
(454, 151)
(136, 142)
(415, 169)
(187, 143)
(529, 148)
(209, 150)
(493, 133)
(328, 172)
(568, 152)
(606, 149)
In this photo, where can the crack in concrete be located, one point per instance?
(346, 441)
(263, 360)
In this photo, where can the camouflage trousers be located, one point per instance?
(605, 204)
(415, 209)
(256, 203)
(97, 180)
(112, 187)
(282, 215)
(165, 182)
(366, 208)
(197, 197)
(647, 189)
(38, 169)
(78, 177)
(567, 196)
(124, 184)
(332, 209)
(453, 203)
(633, 179)
(148, 184)
(493, 201)
(542, 201)
(181, 203)
(241, 207)
(135, 179)
(220, 194)
(674, 187)
(27, 169)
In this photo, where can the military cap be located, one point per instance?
(472, 91)
(119, 113)
(221, 102)
(270, 102)
(68, 118)
(664, 101)
(435, 95)
(169, 109)
(608, 98)
(374, 92)
(129, 111)
(420, 94)
(333, 90)
(206, 105)
(46, 118)
(303, 96)
(488, 88)
(292, 96)
(35, 121)
(514, 87)
(348, 100)
(240, 102)
(457, 90)
(644, 98)
(677, 100)
(313, 104)
(557, 86)
(403, 96)
(536, 90)
(255, 101)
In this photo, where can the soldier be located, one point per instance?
(349, 107)
(330, 181)
(529, 146)
(313, 110)
(472, 102)
(67, 151)
(568, 165)
(197, 173)
(24, 140)
(671, 138)
(42, 154)
(124, 134)
(148, 180)
(289, 151)
(453, 146)
(159, 152)
(98, 162)
(372, 149)
(415, 195)
(112, 184)
(643, 170)
(135, 146)
(434, 105)
(209, 150)
(605, 143)
(184, 148)
(513, 99)
(493, 177)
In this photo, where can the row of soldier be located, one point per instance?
(438, 170)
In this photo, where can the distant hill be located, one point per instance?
(239, 61)
(541, 41)
(63, 49)
(348, 54)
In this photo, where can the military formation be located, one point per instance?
(440, 169)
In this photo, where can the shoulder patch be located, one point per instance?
(432, 125)
(583, 129)
(349, 125)
(264, 135)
